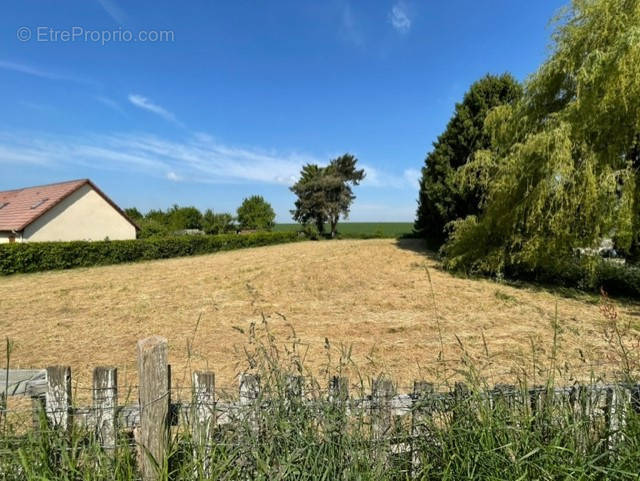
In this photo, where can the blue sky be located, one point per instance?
(204, 102)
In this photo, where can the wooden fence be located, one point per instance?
(50, 390)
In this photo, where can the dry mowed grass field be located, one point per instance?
(374, 296)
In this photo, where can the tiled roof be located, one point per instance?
(20, 207)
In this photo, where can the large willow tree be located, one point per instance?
(562, 170)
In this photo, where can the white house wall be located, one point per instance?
(84, 215)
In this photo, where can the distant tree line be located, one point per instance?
(324, 195)
(254, 214)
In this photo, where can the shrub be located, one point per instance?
(619, 279)
(256, 214)
(217, 223)
(180, 218)
(311, 232)
(43, 256)
(152, 228)
(587, 273)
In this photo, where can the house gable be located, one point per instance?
(84, 214)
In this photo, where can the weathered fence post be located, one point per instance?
(339, 405)
(537, 403)
(422, 392)
(155, 398)
(461, 390)
(249, 393)
(248, 417)
(577, 405)
(38, 409)
(618, 401)
(597, 403)
(105, 404)
(294, 390)
(339, 389)
(204, 416)
(58, 397)
(634, 395)
(204, 412)
(249, 388)
(3, 403)
(460, 396)
(503, 394)
(294, 386)
(505, 400)
(381, 394)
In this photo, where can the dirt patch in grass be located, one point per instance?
(372, 295)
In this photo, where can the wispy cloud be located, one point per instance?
(146, 104)
(379, 178)
(112, 104)
(376, 178)
(29, 70)
(115, 12)
(350, 27)
(198, 158)
(39, 72)
(40, 107)
(412, 176)
(399, 17)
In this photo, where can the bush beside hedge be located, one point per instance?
(619, 279)
(44, 256)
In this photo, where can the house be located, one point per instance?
(66, 211)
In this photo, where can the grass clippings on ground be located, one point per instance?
(371, 295)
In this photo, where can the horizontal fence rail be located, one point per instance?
(23, 382)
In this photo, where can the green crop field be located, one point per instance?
(378, 229)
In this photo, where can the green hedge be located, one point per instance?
(619, 279)
(587, 274)
(44, 256)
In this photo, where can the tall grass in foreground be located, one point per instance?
(297, 429)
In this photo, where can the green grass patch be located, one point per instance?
(506, 298)
(361, 229)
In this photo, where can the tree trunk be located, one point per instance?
(334, 226)
(634, 157)
(320, 225)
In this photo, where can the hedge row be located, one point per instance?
(44, 256)
(616, 279)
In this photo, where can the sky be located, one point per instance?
(205, 103)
